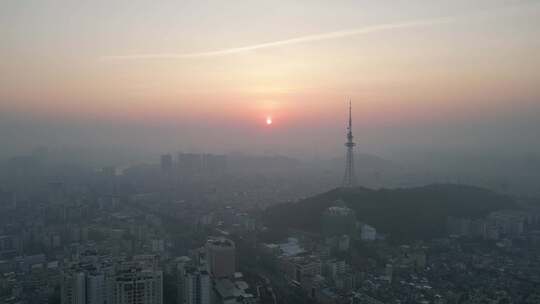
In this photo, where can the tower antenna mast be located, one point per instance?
(349, 179)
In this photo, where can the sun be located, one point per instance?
(268, 120)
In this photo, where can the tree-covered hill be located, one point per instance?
(404, 214)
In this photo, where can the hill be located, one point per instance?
(404, 214)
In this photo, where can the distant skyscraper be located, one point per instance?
(201, 164)
(166, 162)
(221, 257)
(349, 180)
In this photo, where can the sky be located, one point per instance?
(424, 76)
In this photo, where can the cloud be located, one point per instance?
(297, 40)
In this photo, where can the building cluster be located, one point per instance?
(210, 276)
(133, 238)
(50, 216)
(93, 279)
(440, 271)
(189, 164)
(495, 226)
(319, 265)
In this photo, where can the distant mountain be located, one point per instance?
(404, 214)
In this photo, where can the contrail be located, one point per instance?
(323, 36)
(297, 40)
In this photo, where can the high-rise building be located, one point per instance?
(166, 162)
(73, 287)
(96, 289)
(197, 286)
(87, 283)
(137, 283)
(201, 164)
(182, 265)
(220, 257)
(333, 268)
(298, 267)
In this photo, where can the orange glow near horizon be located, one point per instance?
(397, 68)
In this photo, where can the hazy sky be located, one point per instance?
(423, 75)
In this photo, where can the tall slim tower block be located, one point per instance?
(221, 257)
(349, 180)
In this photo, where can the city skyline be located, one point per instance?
(269, 152)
